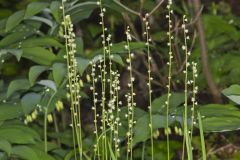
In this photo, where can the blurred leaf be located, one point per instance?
(10, 111)
(5, 146)
(41, 41)
(82, 64)
(220, 124)
(42, 20)
(233, 93)
(42, 155)
(141, 130)
(79, 43)
(25, 152)
(14, 37)
(117, 58)
(48, 83)
(81, 11)
(219, 110)
(158, 104)
(16, 85)
(39, 55)
(16, 135)
(34, 73)
(34, 8)
(29, 102)
(55, 9)
(14, 20)
(59, 72)
(16, 52)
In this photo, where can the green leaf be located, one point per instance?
(233, 93)
(10, 111)
(34, 8)
(39, 55)
(117, 58)
(82, 64)
(81, 11)
(16, 135)
(29, 102)
(42, 155)
(220, 124)
(16, 85)
(59, 72)
(34, 73)
(48, 83)
(219, 110)
(79, 43)
(158, 104)
(5, 146)
(42, 20)
(141, 130)
(41, 41)
(55, 9)
(25, 152)
(14, 20)
(16, 52)
(14, 37)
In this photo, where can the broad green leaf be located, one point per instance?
(221, 124)
(55, 9)
(42, 155)
(233, 93)
(16, 85)
(16, 52)
(25, 152)
(142, 130)
(159, 104)
(81, 11)
(82, 64)
(41, 41)
(59, 72)
(138, 113)
(5, 146)
(34, 73)
(14, 37)
(23, 128)
(10, 111)
(118, 59)
(34, 8)
(16, 135)
(14, 20)
(39, 55)
(42, 20)
(49, 84)
(29, 102)
(219, 110)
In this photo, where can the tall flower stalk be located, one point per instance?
(103, 81)
(170, 38)
(186, 138)
(74, 81)
(149, 59)
(130, 98)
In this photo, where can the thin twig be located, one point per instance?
(126, 8)
(155, 8)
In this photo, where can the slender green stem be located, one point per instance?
(169, 74)
(204, 157)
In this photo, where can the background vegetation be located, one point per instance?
(33, 75)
